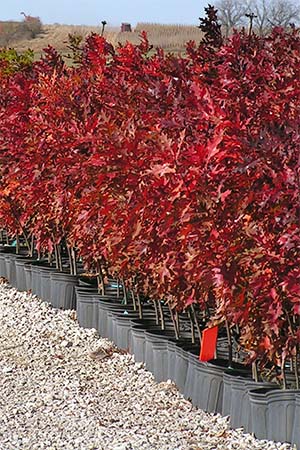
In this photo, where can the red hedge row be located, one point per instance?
(180, 173)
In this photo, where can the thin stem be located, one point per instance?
(156, 312)
(229, 343)
(59, 258)
(177, 322)
(192, 326)
(254, 371)
(296, 369)
(139, 306)
(133, 300)
(196, 323)
(125, 293)
(17, 245)
(56, 256)
(161, 313)
(70, 259)
(118, 288)
(31, 248)
(174, 322)
(100, 280)
(73, 257)
(284, 383)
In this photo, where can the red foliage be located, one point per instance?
(180, 174)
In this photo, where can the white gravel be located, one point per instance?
(63, 387)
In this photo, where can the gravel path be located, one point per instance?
(63, 387)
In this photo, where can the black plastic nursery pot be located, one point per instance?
(156, 352)
(296, 424)
(137, 341)
(122, 331)
(172, 344)
(10, 260)
(227, 394)
(105, 306)
(3, 272)
(45, 282)
(222, 347)
(182, 361)
(236, 401)
(281, 414)
(121, 322)
(273, 413)
(191, 386)
(10, 263)
(111, 288)
(112, 314)
(87, 306)
(229, 375)
(109, 309)
(245, 419)
(63, 290)
(35, 280)
(21, 263)
(36, 276)
(28, 276)
(204, 383)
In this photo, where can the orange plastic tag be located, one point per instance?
(208, 344)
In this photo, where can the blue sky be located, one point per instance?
(91, 12)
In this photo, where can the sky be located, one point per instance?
(92, 12)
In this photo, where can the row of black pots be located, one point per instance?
(25, 274)
(260, 408)
(211, 386)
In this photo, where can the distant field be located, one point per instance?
(170, 37)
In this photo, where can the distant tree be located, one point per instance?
(266, 14)
(270, 13)
(231, 14)
(32, 24)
